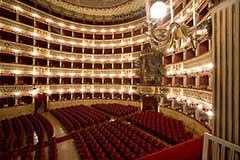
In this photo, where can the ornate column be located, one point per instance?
(225, 49)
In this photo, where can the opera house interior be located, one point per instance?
(119, 79)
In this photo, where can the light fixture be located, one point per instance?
(61, 24)
(72, 27)
(34, 34)
(35, 15)
(72, 42)
(175, 32)
(17, 29)
(71, 74)
(17, 71)
(199, 106)
(71, 90)
(61, 41)
(60, 91)
(17, 8)
(49, 20)
(209, 113)
(83, 29)
(158, 10)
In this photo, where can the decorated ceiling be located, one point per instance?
(101, 10)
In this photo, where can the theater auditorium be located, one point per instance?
(119, 80)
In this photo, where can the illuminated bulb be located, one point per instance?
(93, 30)
(112, 90)
(61, 41)
(93, 60)
(102, 60)
(199, 106)
(49, 92)
(48, 73)
(72, 58)
(188, 10)
(72, 43)
(122, 43)
(49, 38)
(60, 90)
(35, 34)
(93, 44)
(61, 24)
(71, 90)
(111, 75)
(17, 8)
(61, 74)
(71, 74)
(72, 27)
(112, 60)
(158, 10)
(121, 90)
(112, 44)
(34, 73)
(189, 101)
(83, 44)
(16, 50)
(102, 90)
(49, 20)
(103, 45)
(122, 29)
(140, 40)
(83, 29)
(82, 89)
(122, 75)
(17, 71)
(131, 27)
(35, 15)
(17, 29)
(34, 53)
(92, 75)
(210, 113)
(49, 55)
(178, 99)
(17, 93)
(168, 96)
(198, 69)
(34, 92)
(210, 65)
(199, 32)
(83, 74)
(112, 30)
(102, 74)
(92, 90)
(60, 57)
(103, 30)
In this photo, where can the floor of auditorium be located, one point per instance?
(66, 149)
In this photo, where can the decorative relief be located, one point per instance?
(201, 95)
(203, 59)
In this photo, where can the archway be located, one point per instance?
(150, 103)
(41, 102)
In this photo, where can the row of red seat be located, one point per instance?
(47, 124)
(14, 131)
(116, 109)
(76, 117)
(169, 129)
(52, 149)
(114, 140)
